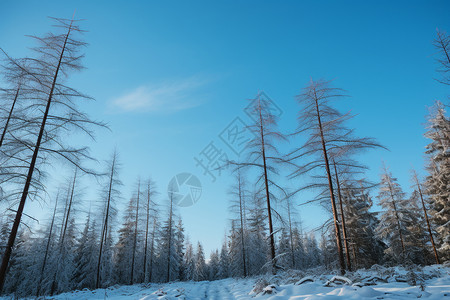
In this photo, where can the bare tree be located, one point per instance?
(111, 193)
(238, 204)
(59, 54)
(442, 45)
(421, 196)
(262, 155)
(328, 140)
(151, 211)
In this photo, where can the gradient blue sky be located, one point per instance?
(169, 76)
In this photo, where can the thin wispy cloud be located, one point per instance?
(167, 96)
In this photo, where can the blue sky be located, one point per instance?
(169, 76)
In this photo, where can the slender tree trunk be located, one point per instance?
(426, 219)
(152, 246)
(266, 183)
(105, 223)
(66, 222)
(398, 221)
(135, 232)
(330, 184)
(344, 228)
(242, 225)
(9, 116)
(15, 227)
(47, 248)
(170, 238)
(290, 233)
(146, 232)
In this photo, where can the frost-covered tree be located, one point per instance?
(213, 265)
(55, 112)
(224, 264)
(397, 221)
(84, 275)
(200, 272)
(365, 248)
(110, 193)
(124, 249)
(438, 181)
(189, 261)
(262, 157)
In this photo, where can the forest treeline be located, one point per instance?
(147, 243)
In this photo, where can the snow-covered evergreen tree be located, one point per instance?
(438, 182)
(200, 272)
(85, 257)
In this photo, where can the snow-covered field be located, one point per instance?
(432, 282)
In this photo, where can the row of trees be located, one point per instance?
(408, 228)
(150, 245)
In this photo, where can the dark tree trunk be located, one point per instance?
(146, 232)
(242, 225)
(135, 234)
(15, 227)
(330, 184)
(9, 116)
(436, 256)
(344, 229)
(105, 223)
(266, 183)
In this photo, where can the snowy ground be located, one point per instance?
(377, 283)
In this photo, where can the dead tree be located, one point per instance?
(442, 45)
(238, 204)
(419, 190)
(344, 230)
(262, 155)
(110, 194)
(59, 54)
(133, 255)
(150, 207)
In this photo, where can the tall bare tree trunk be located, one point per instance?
(152, 246)
(436, 256)
(244, 260)
(290, 233)
(146, 232)
(344, 229)
(398, 221)
(105, 223)
(170, 238)
(135, 233)
(9, 116)
(266, 183)
(15, 227)
(65, 222)
(330, 184)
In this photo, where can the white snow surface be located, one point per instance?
(431, 282)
